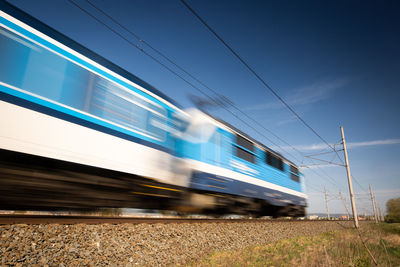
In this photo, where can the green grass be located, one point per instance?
(339, 248)
(393, 228)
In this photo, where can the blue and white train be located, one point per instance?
(239, 170)
(77, 131)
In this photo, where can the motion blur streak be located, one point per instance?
(79, 132)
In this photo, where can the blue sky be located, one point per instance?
(336, 63)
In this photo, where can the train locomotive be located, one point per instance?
(78, 132)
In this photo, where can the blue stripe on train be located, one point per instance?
(40, 26)
(217, 183)
(70, 118)
(78, 60)
(78, 115)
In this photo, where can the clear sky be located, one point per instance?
(335, 62)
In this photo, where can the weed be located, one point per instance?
(393, 228)
(339, 248)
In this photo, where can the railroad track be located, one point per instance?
(77, 219)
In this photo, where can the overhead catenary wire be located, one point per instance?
(362, 200)
(328, 179)
(230, 103)
(175, 73)
(256, 75)
(352, 176)
(197, 80)
(361, 187)
(315, 189)
(318, 154)
(185, 80)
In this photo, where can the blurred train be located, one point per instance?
(78, 132)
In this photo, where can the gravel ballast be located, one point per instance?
(143, 244)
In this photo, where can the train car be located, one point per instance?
(79, 132)
(67, 113)
(236, 174)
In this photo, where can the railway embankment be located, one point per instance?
(141, 244)
(372, 245)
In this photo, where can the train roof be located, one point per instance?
(249, 137)
(56, 35)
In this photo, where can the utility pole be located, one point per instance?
(377, 210)
(373, 204)
(345, 205)
(353, 204)
(326, 203)
(381, 213)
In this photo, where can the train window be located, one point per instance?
(294, 169)
(294, 177)
(243, 154)
(243, 142)
(73, 86)
(274, 161)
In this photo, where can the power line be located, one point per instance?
(315, 188)
(320, 153)
(255, 74)
(200, 82)
(185, 80)
(362, 188)
(172, 71)
(330, 179)
(193, 77)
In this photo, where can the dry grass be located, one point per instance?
(339, 248)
